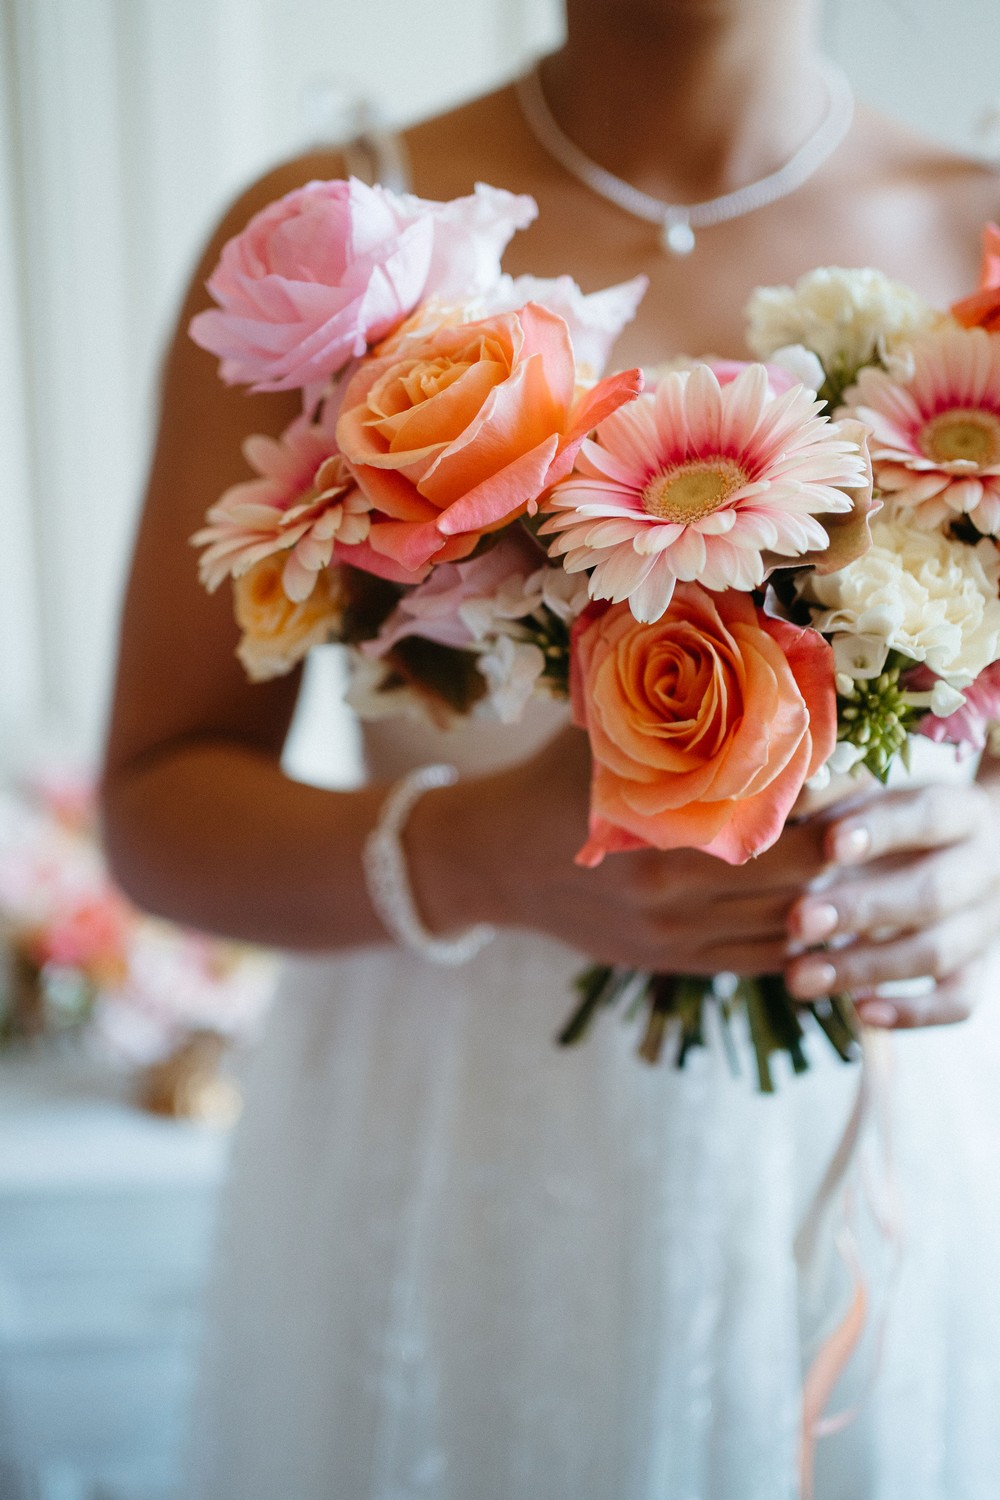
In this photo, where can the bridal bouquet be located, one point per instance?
(701, 563)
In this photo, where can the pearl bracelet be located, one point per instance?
(388, 881)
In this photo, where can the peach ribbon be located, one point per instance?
(832, 1220)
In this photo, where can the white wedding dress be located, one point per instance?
(459, 1263)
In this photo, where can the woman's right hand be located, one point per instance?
(501, 848)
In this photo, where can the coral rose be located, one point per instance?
(277, 631)
(703, 726)
(594, 319)
(459, 432)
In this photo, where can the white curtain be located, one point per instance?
(125, 125)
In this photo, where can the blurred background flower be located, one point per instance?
(76, 958)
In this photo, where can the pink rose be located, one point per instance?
(967, 727)
(332, 267)
(310, 281)
(470, 236)
(779, 380)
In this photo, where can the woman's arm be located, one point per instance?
(200, 823)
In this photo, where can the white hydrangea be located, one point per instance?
(520, 598)
(917, 592)
(511, 662)
(512, 670)
(801, 363)
(847, 317)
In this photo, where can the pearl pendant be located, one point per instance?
(677, 237)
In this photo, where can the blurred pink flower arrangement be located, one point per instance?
(78, 957)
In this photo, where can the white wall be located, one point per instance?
(931, 63)
(124, 126)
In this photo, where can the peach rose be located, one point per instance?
(459, 432)
(703, 726)
(278, 631)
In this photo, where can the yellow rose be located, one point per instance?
(278, 631)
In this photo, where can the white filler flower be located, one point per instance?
(847, 317)
(917, 592)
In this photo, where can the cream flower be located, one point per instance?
(917, 592)
(279, 632)
(935, 442)
(848, 318)
(696, 481)
(513, 671)
(519, 598)
(515, 629)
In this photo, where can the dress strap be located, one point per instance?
(377, 155)
(339, 117)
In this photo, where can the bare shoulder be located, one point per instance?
(940, 195)
(484, 138)
(966, 189)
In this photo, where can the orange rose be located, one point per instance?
(278, 631)
(455, 433)
(703, 726)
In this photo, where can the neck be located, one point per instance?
(687, 99)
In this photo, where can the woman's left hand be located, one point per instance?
(914, 891)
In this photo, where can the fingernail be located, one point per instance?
(851, 845)
(815, 921)
(812, 978)
(877, 1013)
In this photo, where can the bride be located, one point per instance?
(456, 1262)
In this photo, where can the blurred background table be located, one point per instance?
(106, 1219)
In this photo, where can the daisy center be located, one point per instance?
(972, 436)
(691, 490)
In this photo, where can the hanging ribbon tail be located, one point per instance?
(827, 1366)
(828, 1237)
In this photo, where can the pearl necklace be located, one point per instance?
(678, 221)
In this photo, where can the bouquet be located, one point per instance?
(745, 577)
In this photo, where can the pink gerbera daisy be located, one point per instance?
(935, 441)
(696, 481)
(303, 502)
